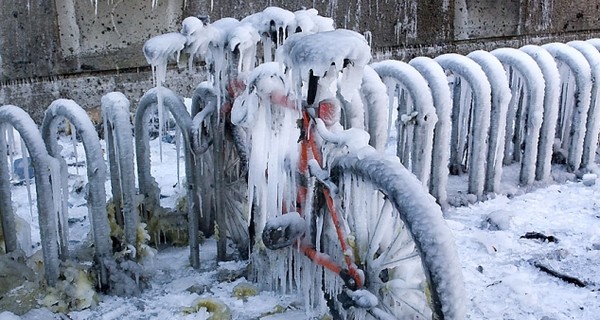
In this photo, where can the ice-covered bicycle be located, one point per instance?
(325, 213)
(324, 199)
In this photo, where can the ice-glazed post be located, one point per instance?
(46, 171)
(414, 144)
(374, 96)
(500, 100)
(472, 73)
(147, 185)
(442, 101)
(7, 216)
(531, 116)
(580, 67)
(117, 126)
(96, 172)
(551, 77)
(590, 143)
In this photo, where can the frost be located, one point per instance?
(590, 143)
(575, 103)
(442, 101)
(551, 77)
(474, 102)
(416, 114)
(501, 96)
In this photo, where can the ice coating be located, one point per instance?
(442, 101)
(118, 128)
(307, 52)
(197, 37)
(160, 49)
(418, 156)
(272, 19)
(309, 20)
(551, 77)
(46, 170)
(470, 71)
(580, 67)
(500, 99)
(421, 215)
(96, 171)
(534, 102)
(590, 143)
(374, 95)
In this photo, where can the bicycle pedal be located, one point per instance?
(283, 231)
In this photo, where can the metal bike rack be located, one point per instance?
(551, 77)
(119, 141)
(45, 168)
(469, 71)
(501, 96)
(416, 153)
(96, 172)
(147, 185)
(590, 143)
(572, 130)
(529, 115)
(442, 102)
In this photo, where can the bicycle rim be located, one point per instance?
(399, 239)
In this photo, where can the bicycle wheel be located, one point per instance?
(399, 239)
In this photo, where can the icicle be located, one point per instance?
(10, 138)
(25, 163)
(178, 153)
(74, 143)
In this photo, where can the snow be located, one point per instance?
(507, 287)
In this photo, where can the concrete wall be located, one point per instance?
(72, 49)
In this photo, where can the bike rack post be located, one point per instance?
(590, 143)
(575, 132)
(96, 171)
(551, 77)
(45, 168)
(501, 97)
(204, 104)
(471, 72)
(147, 185)
(118, 132)
(442, 102)
(531, 114)
(418, 155)
(376, 105)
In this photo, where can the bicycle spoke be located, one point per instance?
(394, 263)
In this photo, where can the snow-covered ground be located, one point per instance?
(501, 269)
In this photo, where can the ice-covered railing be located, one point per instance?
(576, 77)
(147, 185)
(442, 101)
(542, 108)
(500, 98)
(470, 119)
(590, 143)
(119, 144)
(524, 117)
(47, 177)
(96, 173)
(551, 78)
(408, 94)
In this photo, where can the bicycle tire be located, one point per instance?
(413, 210)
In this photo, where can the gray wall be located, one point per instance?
(53, 49)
